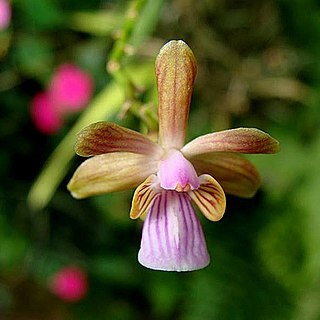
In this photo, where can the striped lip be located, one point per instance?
(172, 236)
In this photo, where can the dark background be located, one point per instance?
(258, 66)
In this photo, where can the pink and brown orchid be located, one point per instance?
(171, 175)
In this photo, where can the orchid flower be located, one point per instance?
(170, 175)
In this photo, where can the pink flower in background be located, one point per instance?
(69, 91)
(70, 88)
(5, 14)
(44, 114)
(69, 284)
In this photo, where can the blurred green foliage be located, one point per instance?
(258, 66)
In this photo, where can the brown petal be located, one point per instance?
(175, 71)
(143, 197)
(104, 137)
(210, 198)
(110, 172)
(243, 140)
(236, 174)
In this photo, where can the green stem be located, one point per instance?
(105, 105)
(121, 45)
